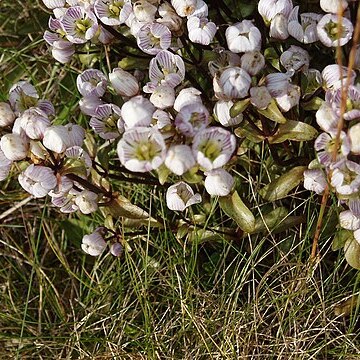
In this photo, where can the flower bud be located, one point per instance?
(7, 116)
(87, 202)
(163, 97)
(14, 146)
(137, 111)
(218, 182)
(124, 83)
(116, 249)
(94, 243)
(179, 159)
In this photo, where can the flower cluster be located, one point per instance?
(174, 115)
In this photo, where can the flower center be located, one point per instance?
(211, 149)
(146, 151)
(83, 25)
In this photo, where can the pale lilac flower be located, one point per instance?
(187, 96)
(279, 27)
(79, 24)
(141, 149)
(184, 7)
(94, 243)
(163, 120)
(33, 122)
(154, 37)
(224, 59)
(277, 83)
(260, 97)
(305, 30)
(137, 111)
(352, 110)
(65, 198)
(88, 105)
(315, 180)
(14, 146)
(335, 76)
(112, 12)
(191, 119)
(62, 49)
(91, 83)
(222, 113)
(268, 9)
(295, 58)
(243, 36)
(124, 83)
(37, 180)
(349, 221)
(53, 4)
(179, 159)
(180, 196)
(116, 249)
(354, 136)
(22, 96)
(170, 18)
(58, 138)
(163, 97)
(346, 178)
(289, 99)
(86, 201)
(5, 165)
(324, 145)
(201, 30)
(252, 62)
(235, 83)
(144, 11)
(167, 68)
(201, 10)
(332, 6)
(328, 30)
(218, 182)
(213, 147)
(326, 117)
(7, 116)
(107, 121)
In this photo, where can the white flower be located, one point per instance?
(330, 34)
(7, 116)
(201, 30)
(349, 221)
(179, 159)
(279, 27)
(144, 11)
(87, 201)
(213, 147)
(305, 30)
(124, 83)
(163, 97)
(52, 4)
(290, 99)
(335, 76)
(354, 136)
(170, 18)
(88, 104)
(218, 182)
(38, 180)
(22, 96)
(137, 111)
(180, 196)
(141, 149)
(346, 178)
(315, 180)
(332, 6)
(243, 36)
(235, 83)
(268, 9)
(33, 122)
(94, 243)
(91, 82)
(5, 165)
(295, 58)
(252, 62)
(184, 7)
(153, 37)
(326, 117)
(14, 146)
(187, 96)
(277, 83)
(112, 12)
(191, 119)
(222, 113)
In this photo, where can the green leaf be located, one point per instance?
(239, 107)
(313, 104)
(273, 113)
(270, 220)
(340, 239)
(280, 188)
(163, 173)
(234, 207)
(352, 253)
(246, 131)
(293, 130)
